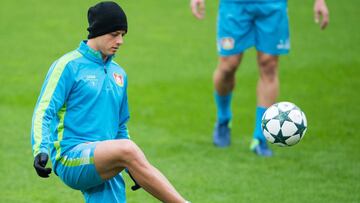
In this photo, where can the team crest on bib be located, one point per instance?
(227, 43)
(119, 79)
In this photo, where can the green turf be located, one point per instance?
(170, 57)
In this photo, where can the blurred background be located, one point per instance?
(170, 57)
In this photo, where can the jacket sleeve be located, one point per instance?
(54, 92)
(123, 132)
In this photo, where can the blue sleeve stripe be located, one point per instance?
(45, 99)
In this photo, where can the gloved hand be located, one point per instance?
(39, 164)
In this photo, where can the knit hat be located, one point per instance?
(105, 17)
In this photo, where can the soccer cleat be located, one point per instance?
(222, 134)
(260, 148)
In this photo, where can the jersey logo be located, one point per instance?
(227, 43)
(118, 79)
(91, 80)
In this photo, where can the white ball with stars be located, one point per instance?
(284, 124)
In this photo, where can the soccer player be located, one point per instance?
(81, 116)
(242, 24)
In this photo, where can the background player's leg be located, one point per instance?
(112, 156)
(224, 75)
(272, 36)
(224, 82)
(268, 84)
(267, 92)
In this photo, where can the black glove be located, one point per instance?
(136, 186)
(39, 164)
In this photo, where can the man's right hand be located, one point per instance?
(321, 13)
(40, 162)
(198, 8)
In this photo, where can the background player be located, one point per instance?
(242, 24)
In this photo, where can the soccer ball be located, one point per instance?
(284, 124)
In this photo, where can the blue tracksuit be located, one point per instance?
(83, 100)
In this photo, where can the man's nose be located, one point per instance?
(120, 40)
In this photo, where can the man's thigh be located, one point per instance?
(77, 168)
(112, 156)
(272, 28)
(235, 28)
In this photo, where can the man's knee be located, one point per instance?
(112, 156)
(128, 150)
(228, 65)
(266, 61)
(268, 67)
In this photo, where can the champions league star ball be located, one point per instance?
(284, 124)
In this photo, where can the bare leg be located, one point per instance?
(268, 84)
(112, 156)
(267, 91)
(224, 75)
(224, 82)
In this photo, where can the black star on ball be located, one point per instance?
(264, 123)
(280, 138)
(300, 128)
(283, 116)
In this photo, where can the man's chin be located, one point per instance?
(112, 52)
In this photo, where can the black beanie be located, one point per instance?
(105, 17)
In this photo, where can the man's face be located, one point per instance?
(109, 43)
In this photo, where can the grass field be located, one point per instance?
(170, 57)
